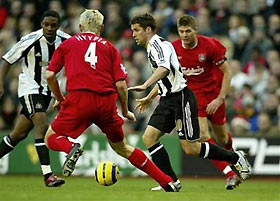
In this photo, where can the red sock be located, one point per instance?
(228, 146)
(59, 143)
(222, 166)
(140, 160)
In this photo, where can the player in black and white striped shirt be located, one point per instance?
(35, 50)
(177, 106)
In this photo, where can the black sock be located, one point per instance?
(6, 146)
(215, 152)
(43, 152)
(161, 159)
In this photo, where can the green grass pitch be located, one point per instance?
(31, 188)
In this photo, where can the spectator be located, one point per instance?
(265, 127)
(243, 36)
(240, 126)
(239, 78)
(273, 24)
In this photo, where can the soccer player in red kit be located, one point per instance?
(204, 64)
(95, 78)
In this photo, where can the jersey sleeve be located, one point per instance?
(18, 49)
(57, 61)
(218, 52)
(119, 70)
(162, 55)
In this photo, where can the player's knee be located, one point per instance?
(193, 149)
(18, 136)
(149, 140)
(204, 134)
(123, 151)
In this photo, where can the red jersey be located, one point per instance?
(91, 63)
(200, 64)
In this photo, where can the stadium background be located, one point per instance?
(250, 29)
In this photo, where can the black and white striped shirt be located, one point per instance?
(162, 54)
(35, 52)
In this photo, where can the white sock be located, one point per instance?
(46, 169)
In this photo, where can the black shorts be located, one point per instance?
(177, 110)
(34, 103)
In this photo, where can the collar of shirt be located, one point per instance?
(155, 37)
(195, 45)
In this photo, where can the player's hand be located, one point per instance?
(142, 104)
(130, 116)
(56, 105)
(138, 88)
(214, 105)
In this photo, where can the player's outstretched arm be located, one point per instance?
(159, 73)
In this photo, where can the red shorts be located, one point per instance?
(203, 99)
(83, 108)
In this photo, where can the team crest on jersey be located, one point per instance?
(38, 106)
(202, 57)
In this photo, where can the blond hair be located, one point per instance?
(91, 20)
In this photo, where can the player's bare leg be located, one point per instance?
(223, 136)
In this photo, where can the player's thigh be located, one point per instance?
(219, 117)
(187, 124)
(162, 121)
(151, 136)
(114, 133)
(73, 117)
(204, 129)
(202, 103)
(22, 128)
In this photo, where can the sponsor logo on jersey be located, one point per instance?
(202, 57)
(192, 71)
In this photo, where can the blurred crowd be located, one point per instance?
(250, 30)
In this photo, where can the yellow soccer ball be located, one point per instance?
(107, 173)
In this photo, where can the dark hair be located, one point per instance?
(50, 13)
(187, 20)
(144, 20)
